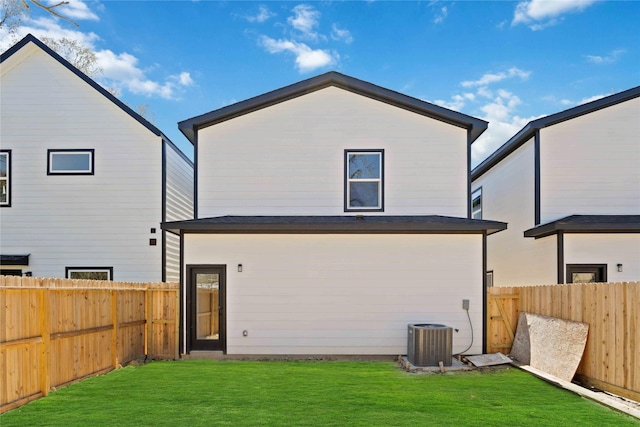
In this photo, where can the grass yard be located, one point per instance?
(235, 393)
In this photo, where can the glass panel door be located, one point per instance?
(205, 299)
(208, 300)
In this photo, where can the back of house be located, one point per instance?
(331, 214)
(568, 184)
(85, 180)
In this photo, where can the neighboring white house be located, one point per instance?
(568, 185)
(330, 214)
(85, 181)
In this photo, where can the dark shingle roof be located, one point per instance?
(588, 224)
(358, 224)
(190, 126)
(527, 132)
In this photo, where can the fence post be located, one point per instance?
(114, 331)
(148, 310)
(45, 329)
(177, 325)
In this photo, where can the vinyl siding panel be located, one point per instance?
(508, 196)
(98, 220)
(289, 158)
(179, 205)
(343, 294)
(590, 165)
(610, 249)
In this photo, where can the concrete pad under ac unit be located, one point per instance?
(550, 344)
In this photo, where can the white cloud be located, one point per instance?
(119, 71)
(539, 14)
(47, 27)
(185, 79)
(342, 34)
(307, 59)
(263, 15)
(305, 20)
(496, 77)
(607, 59)
(441, 15)
(592, 98)
(74, 10)
(122, 71)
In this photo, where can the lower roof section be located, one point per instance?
(358, 224)
(588, 224)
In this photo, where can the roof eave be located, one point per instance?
(190, 126)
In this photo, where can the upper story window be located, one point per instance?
(364, 186)
(476, 204)
(5, 177)
(69, 162)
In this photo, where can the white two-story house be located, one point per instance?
(568, 185)
(85, 181)
(331, 214)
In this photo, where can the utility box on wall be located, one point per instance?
(429, 344)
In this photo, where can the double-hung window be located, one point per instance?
(364, 180)
(70, 162)
(5, 178)
(476, 204)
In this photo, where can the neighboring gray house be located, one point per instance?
(85, 181)
(330, 214)
(568, 185)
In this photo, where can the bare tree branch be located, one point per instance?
(50, 9)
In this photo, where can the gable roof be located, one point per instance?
(475, 126)
(338, 224)
(532, 127)
(29, 38)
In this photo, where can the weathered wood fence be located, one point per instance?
(611, 360)
(56, 331)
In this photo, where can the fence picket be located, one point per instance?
(56, 331)
(611, 360)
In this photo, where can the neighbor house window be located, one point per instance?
(5, 177)
(586, 273)
(476, 204)
(364, 174)
(89, 273)
(70, 162)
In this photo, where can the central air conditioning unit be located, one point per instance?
(429, 344)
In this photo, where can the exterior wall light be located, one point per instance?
(239, 268)
(620, 268)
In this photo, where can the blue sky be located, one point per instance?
(505, 62)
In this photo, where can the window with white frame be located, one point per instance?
(89, 273)
(5, 177)
(364, 174)
(476, 204)
(70, 162)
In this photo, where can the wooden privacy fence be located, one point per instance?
(611, 359)
(56, 331)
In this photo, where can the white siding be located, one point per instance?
(99, 220)
(179, 205)
(508, 196)
(343, 294)
(590, 165)
(289, 158)
(610, 249)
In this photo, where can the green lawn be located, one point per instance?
(234, 393)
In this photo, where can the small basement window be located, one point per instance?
(476, 204)
(89, 273)
(70, 162)
(364, 186)
(5, 177)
